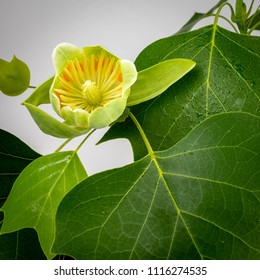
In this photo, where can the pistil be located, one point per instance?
(91, 93)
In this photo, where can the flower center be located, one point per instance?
(91, 93)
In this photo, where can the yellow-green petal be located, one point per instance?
(62, 54)
(104, 116)
(91, 86)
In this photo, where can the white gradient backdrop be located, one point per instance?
(30, 29)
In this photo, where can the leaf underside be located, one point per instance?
(196, 200)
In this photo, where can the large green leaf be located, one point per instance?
(196, 200)
(226, 78)
(37, 192)
(14, 76)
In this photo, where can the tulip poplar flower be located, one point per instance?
(91, 85)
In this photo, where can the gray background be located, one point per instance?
(30, 29)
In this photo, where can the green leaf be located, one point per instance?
(154, 80)
(197, 200)
(14, 77)
(226, 78)
(37, 193)
(254, 21)
(41, 94)
(14, 157)
(198, 17)
(20, 245)
(46, 122)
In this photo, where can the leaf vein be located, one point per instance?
(236, 43)
(209, 180)
(116, 207)
(146, 218)
(221, 228)
(241, 77)
(204, 149)
(185, 43)
(176, 119)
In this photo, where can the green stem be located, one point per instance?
(63, 144)
(250, 8)
(253, 28)
(217, 15)
(226, 19)
(241, 16)
(32, 87)
(85, 139)
(251, 21)
(239, 4)
(80, 145)
(147, 145)
(146, 141)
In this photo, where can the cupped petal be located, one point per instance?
(62, 55)
(97, 51)
(55, 101)
(129, 73)
(76, 117)
(104, 116)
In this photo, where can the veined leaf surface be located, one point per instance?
(21, 245)
(225, 78)
(196, 200)
(14, 157)
(37, 192)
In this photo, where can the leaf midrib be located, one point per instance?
(154, 157)
(212, 43)
(161, 176)
(209, 69)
